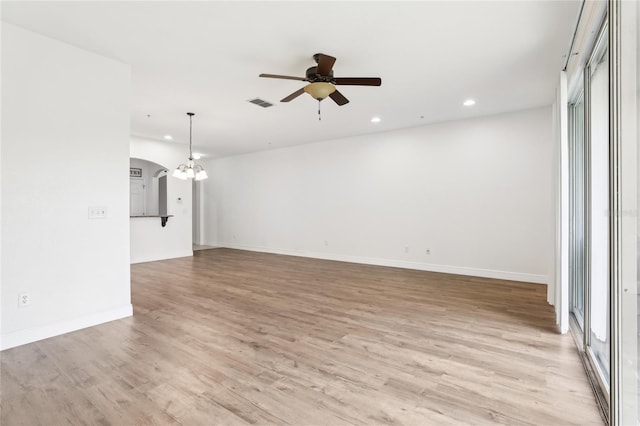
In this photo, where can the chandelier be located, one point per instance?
(191, 170)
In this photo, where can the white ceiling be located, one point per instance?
(205, 57)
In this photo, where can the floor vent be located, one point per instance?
(260, 102)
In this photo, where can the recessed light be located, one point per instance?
(168, 137)
(469, 102)
(376, 120)
(196, 156)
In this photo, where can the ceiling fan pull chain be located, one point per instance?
(319, 116)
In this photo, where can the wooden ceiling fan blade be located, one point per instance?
(293, 95)
(358, 81)
(325, 64)
(286, 77)
(339, 98)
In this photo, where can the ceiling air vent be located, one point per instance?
(260, 102)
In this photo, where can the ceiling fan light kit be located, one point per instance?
(191, 170)
(319, 91)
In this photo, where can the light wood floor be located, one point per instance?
(232, 337)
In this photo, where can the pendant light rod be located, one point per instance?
(190, 114)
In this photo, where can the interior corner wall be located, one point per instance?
(65, 148)
(558, 291)
(149, 240)
(476, 194)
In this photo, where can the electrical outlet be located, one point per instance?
(326, 243)
(427, 252)
(406, 249)
(24, 300)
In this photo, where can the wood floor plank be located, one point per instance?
(236, 338)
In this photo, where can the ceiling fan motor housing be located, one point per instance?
(314, 77)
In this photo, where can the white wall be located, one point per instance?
(476, 193)
(629, 220)
(149, 240)
(65, 147)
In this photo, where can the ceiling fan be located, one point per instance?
(322, 82)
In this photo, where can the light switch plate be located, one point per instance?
(97, 212)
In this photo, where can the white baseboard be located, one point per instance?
(214, 244)
(143, 259)
(30, 335)
(211, 245)
(447, 269)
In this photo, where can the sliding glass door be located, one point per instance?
(604, 204)
(590, 221)
(598, 210)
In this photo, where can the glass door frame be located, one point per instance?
(577, 182)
